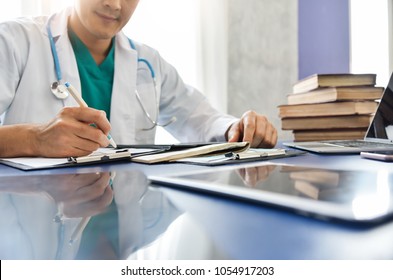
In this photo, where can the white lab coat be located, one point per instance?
(28, 229)
(27, 71)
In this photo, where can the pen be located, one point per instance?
(78, 98)
(79, 229)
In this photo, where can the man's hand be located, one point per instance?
(255, 129)
(251, 176)
(81, 195)
(69, 133)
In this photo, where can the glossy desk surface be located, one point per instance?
(40, 213)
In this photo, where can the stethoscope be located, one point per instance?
(59, 90)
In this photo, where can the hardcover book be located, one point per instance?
(333, 80)
(343, 122)
(328, 109)
(331, 94)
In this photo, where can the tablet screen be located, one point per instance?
(360, 196)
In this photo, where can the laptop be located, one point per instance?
(379, 136)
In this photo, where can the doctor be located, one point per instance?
(128, 86)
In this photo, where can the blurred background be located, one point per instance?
(247, 54)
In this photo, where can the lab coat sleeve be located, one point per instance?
(11, 64)
(11, 233)
(197, 120)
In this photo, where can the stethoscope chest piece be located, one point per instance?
(59, 90)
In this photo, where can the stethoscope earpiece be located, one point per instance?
(59, 90)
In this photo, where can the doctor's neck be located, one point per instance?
(98, 42)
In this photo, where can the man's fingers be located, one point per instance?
(249, 125)
(234, 133)
(70, 133)
(267, 135)
(89, 116)
(255, 129)
(90, 136)
(88, 124)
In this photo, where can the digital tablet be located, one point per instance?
(355, 196)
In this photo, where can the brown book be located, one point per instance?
(328, 178)
(333, 80)
(314, 182)
(328, 109)
(307, 188)
(316, 191)
(329, 134)
(331, 94)
(356, 121)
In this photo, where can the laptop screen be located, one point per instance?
(382, 124)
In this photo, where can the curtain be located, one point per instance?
(213, 40)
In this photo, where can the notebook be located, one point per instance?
(379, 136)
(102, 155)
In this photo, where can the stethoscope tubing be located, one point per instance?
(54, 51)
(139, 59)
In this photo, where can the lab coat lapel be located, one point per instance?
(123, 97)
(123, 102)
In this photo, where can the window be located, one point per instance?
(16, 8)
(9, 9)
(370, 38)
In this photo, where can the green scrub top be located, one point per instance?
(96, 80)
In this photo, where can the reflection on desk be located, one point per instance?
(352, 196)
(165, 223)
(39, 215)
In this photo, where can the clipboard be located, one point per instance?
(167, 147)
(104, 155)
(236, 158)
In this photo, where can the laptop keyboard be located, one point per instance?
(361, 144)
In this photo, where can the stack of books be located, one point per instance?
(331, 107)
(316, 184)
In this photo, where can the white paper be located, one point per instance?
(37, 162)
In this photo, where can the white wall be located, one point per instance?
(16, 8)
(9, 9)
(262, 56)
